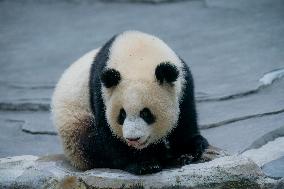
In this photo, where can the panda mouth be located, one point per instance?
(138, 144)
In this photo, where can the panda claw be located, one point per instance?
(184, 159)
(144, 168)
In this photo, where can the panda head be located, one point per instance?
(141, 89)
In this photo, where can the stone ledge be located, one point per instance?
(55, 172)
(143, 1)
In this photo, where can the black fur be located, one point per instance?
(97, 68)
(121, 116)
(102, 149)
(166, 72)
(147, 116)
(187, 132)
(110, 78)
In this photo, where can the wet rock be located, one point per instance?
(274, 168)
(267, 153)
(229, 45)
(13, 141)
(33, 122)
(243, 135)
(223, 45)
(55, 172)
(143, 1)
(270, 157)
(24, 97)
(269, 136)
(268, 101)
(39, 123)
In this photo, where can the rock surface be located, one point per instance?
(268, 152)
(142, 1)
(246, 134)
(233, 47)
(268, 101)
(274, 168)
(13, 141)
(270, 157)
(55, 172)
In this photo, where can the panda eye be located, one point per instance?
(147, 116)
(121, 116)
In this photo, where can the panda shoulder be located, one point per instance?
(73, 86)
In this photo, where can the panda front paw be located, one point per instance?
(184, 160)
(199, 146)
(144, 168)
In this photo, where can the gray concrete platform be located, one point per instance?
(230, 46)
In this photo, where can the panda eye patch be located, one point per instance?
(147, 116)
(121, 116)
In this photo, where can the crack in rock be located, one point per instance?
(29, 86)
(15, 121)
(265, 81)
(145, 1)
(28, 131)
(213, 125)
(279, 132)
(230, 96)
(25, 106)
(39, 132)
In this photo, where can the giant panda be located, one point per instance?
(128, 105)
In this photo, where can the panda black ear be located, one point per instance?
(166, 71)
(110, 77)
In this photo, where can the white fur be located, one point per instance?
(136, 127)
(71, 95)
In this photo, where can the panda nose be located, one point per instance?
(133, 139)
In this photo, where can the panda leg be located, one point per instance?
(198, 145)
(191, 151)
(72, 133)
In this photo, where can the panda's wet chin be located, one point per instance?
(140, 144)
